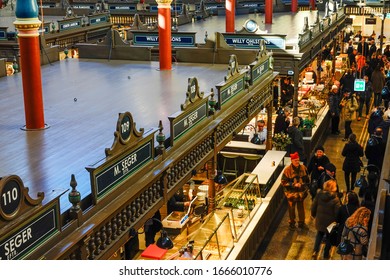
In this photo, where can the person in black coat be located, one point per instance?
(334, 99)
(375, 149)
(346, 210)
(352, 152)
(315, 167)
(177, 202)
(282, 121)
(287, 92)
(296, 136)
(324, 209)
(376, 118)
(152, 227)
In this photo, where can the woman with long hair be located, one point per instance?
(356, 231)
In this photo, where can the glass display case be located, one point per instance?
(240, 199)
(212, 240)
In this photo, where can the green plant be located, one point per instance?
(308, 123)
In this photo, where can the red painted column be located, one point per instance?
(230, 7)
(30, 62)
(313, 4)
(164, 34)
(294, 6)
(268, 11)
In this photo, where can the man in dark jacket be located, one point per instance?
(296, 136)
(282, 121)
(375, 149)
(324, 209)
(334, 109)
(365, 99)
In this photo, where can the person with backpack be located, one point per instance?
(349, 106)
(352, 152)
(386, 94)
(324, 210)
(316, 166)
(375, 150)
(351, 204)
(356, 231)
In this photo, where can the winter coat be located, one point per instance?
(352, 152)
(367, 93)
(296, 142)
(375, 151)
(313, 165)
(281, 124)
(378, 81)
(324, 209)
(349, 107)
(334, 104)
(292, 175)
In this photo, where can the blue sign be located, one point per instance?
(253, 42)
(70, 25)
(129, 8)
(97, 20)
(178, 40)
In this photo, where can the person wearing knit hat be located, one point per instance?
(334, 87)
(315, 167)
(295, 182)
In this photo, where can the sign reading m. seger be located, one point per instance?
(122, 168)
(189, 121)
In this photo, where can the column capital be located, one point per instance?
(164, 3)
(27, 27)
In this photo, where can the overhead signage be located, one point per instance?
(47, 6)
(371, 21)
(30, 236)
(189, 120)
(121, 169)
(243, 41)
(153, 8)
(152, 39)
(128, 7)
(359, 85)
(70, 25)
(97, 20)
(229, 91)
(259, 70)
(82, 7)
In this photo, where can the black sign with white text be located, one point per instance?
(189, 121)
(30, 236)
(122, 168)
(231, 90)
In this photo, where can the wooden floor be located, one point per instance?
(80, 130)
